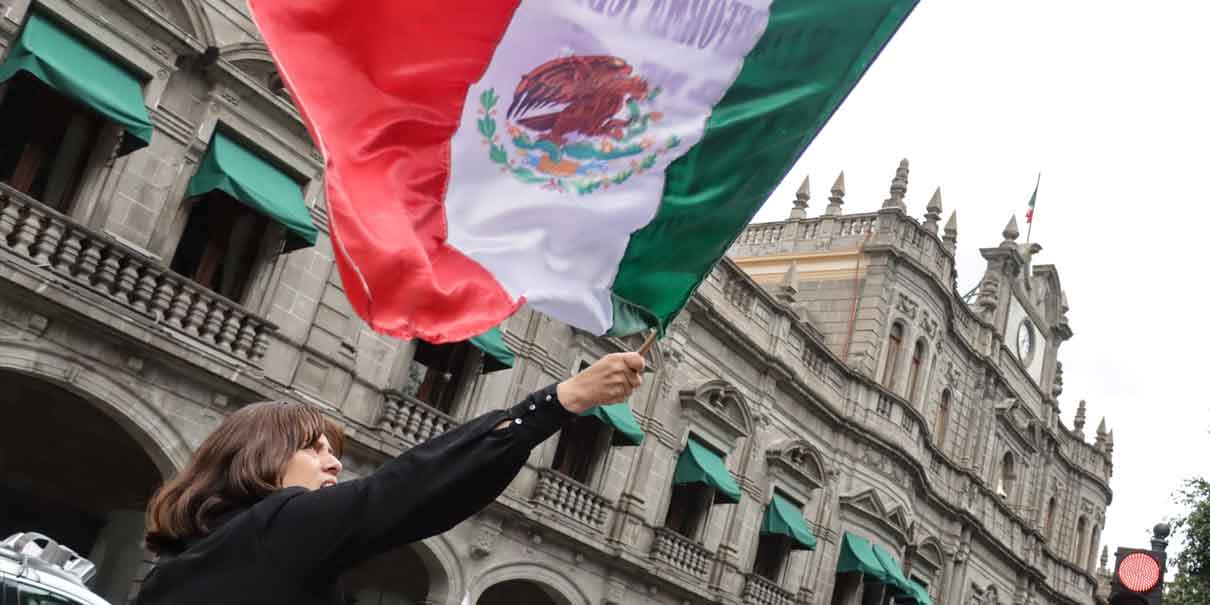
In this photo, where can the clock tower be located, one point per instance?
(1027, 305)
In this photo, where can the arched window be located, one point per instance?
(943, 418)
(1081, 539)
(894, 345)
(1050, 518)
(1093, 538)
(1008, 475)
(914, 376)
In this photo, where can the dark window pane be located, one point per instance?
(220, 244)
(45, 140)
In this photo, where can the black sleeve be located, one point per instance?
(424, 491)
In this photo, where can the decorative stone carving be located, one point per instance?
(615, 591)
(38, 324)
(484, 541)
(907, 306)
(720, 404)
(928, 325)
(800, 461)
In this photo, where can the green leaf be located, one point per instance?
(622, 177)
(488, 99)
(487, 127)
(527, 176)
(648, 162)
(673, 141)
(498, 155)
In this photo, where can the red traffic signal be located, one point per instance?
(1138, 572)
(1138, 577)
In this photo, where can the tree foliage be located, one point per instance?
(1191, 585)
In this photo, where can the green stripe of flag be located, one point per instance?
(809, 58)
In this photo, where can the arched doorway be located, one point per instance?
(398, 577)
(71, 472)
(515, 592)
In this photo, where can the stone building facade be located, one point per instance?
(829, 361)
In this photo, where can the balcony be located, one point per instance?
(681, 552)
(570, 498)
(412, 420)
(52, 243)
(761, 591)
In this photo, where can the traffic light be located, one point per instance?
(1138, 573)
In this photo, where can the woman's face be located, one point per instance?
(313, 467)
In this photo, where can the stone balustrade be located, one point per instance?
(762, 591)
(681, 552)
(139, 285)
(761, 234)
(412, 420)
(569, 497)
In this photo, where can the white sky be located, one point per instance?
(1111, 105)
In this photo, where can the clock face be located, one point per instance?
(1025, 341)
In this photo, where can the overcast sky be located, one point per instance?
(1111, 105)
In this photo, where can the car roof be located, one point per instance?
(13, 571)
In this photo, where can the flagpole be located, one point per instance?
(647, 344)
(1030, 230)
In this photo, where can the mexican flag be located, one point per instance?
(591, 158)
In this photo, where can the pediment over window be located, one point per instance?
(188, 15)
(871, 505)
(254, 59)
(930, 553)
(798, 462)
(719, 405)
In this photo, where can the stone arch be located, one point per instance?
(140, 419)
(188, 15)
(553, 581)
(89, 486)
(253, 58)
(440, 579)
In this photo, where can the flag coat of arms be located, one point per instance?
(592, 158)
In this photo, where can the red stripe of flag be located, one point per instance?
(380, 85)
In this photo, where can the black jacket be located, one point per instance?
(293, 546)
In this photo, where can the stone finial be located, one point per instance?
(837, 199)
(801, 198)
(1109, 443)
(898, 187)
(1081, 412)
(932, 213)
(1011, 232)
(1104, 558)
(1102, 435)
(951, 232)
(788, 287)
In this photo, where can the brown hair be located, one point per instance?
(240, 463)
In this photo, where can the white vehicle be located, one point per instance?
(36, 570)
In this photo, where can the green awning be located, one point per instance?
(892, 567)
(699, 464)
(785, 519)
(247, 177)
(73, 67)
(626, 430)
(917, 594)
(496, 355)
(856, 554)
